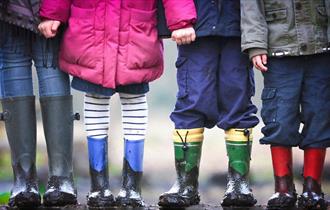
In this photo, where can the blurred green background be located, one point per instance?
(159, 172)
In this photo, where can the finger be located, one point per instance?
(179, 41)
(55, 26)
(260, 65)
(193, 37)
(256, 62)
(264, 59)
(188, 39)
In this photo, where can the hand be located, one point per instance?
(260, 62)
(49, 28)
(184, 35)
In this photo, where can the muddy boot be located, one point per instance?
(285, 195)
(187, 148)
(238, 192)
(312, 196)
(57, 117)
(100, 194)
(20, 122)
(130, 193)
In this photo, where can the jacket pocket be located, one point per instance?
(269, 105)
(144, 49)
(182, 77)
(321, 17)
(278, 26)
(78, 41)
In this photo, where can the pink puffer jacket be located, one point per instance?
(114, 42)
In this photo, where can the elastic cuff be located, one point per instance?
(256, 51)
(239, 134)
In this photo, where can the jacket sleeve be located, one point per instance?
(179, 13)
(253, 25)
(55, 10)
(327, 6)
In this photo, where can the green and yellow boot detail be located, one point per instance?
(188, 149)
(238, 192)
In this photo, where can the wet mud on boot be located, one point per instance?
(58, 117)
(25, 193)
(285, 195)
(312, 196)
(100, 194)
(238, 192)
(184, 192)
(60, 192)
(17, 111)
(130, 193)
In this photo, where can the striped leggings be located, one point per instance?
(134, 116)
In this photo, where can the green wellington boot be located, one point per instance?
(20, 121)
(238, 192)
(188, 149)
(57, 116)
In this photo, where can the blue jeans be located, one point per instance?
(215, 82)
(17, 54)
(297, 90)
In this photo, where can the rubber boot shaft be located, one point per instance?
(57, 117)
(130, 193)
(20, 123)
(100, 194)
(238, 192)
(187, 150)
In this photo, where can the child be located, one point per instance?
(287, 41)
(215, 88)
(20, 45)
(112, 47)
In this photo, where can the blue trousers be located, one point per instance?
(297, 90)
(215, 82)
(17, 54)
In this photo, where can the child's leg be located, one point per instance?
(237, 116)
(57, 116)
(281, 115)
(96, 119)
(316, 131)
(135, 119)
(18, 103)
(195, 108)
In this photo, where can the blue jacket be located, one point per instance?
(214, 18)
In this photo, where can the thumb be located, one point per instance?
(55, 25)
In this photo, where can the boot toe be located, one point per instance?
(236, 199)
(312, 201)
(58, 198)
(282, 201)
(100, 199)
(177, 200)
(129, 202)
(25, 199)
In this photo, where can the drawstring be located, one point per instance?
(184, 142)
(247, 133)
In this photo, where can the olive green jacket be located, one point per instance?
(285, 27)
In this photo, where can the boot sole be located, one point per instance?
(176, 201)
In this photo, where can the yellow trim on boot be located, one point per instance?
(194, 135)
(237, 134)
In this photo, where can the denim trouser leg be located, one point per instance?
(297, 90)
(16, 75)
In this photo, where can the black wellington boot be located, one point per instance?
(100, 194)
(20, 121)
(58, 119)
(184, 192)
